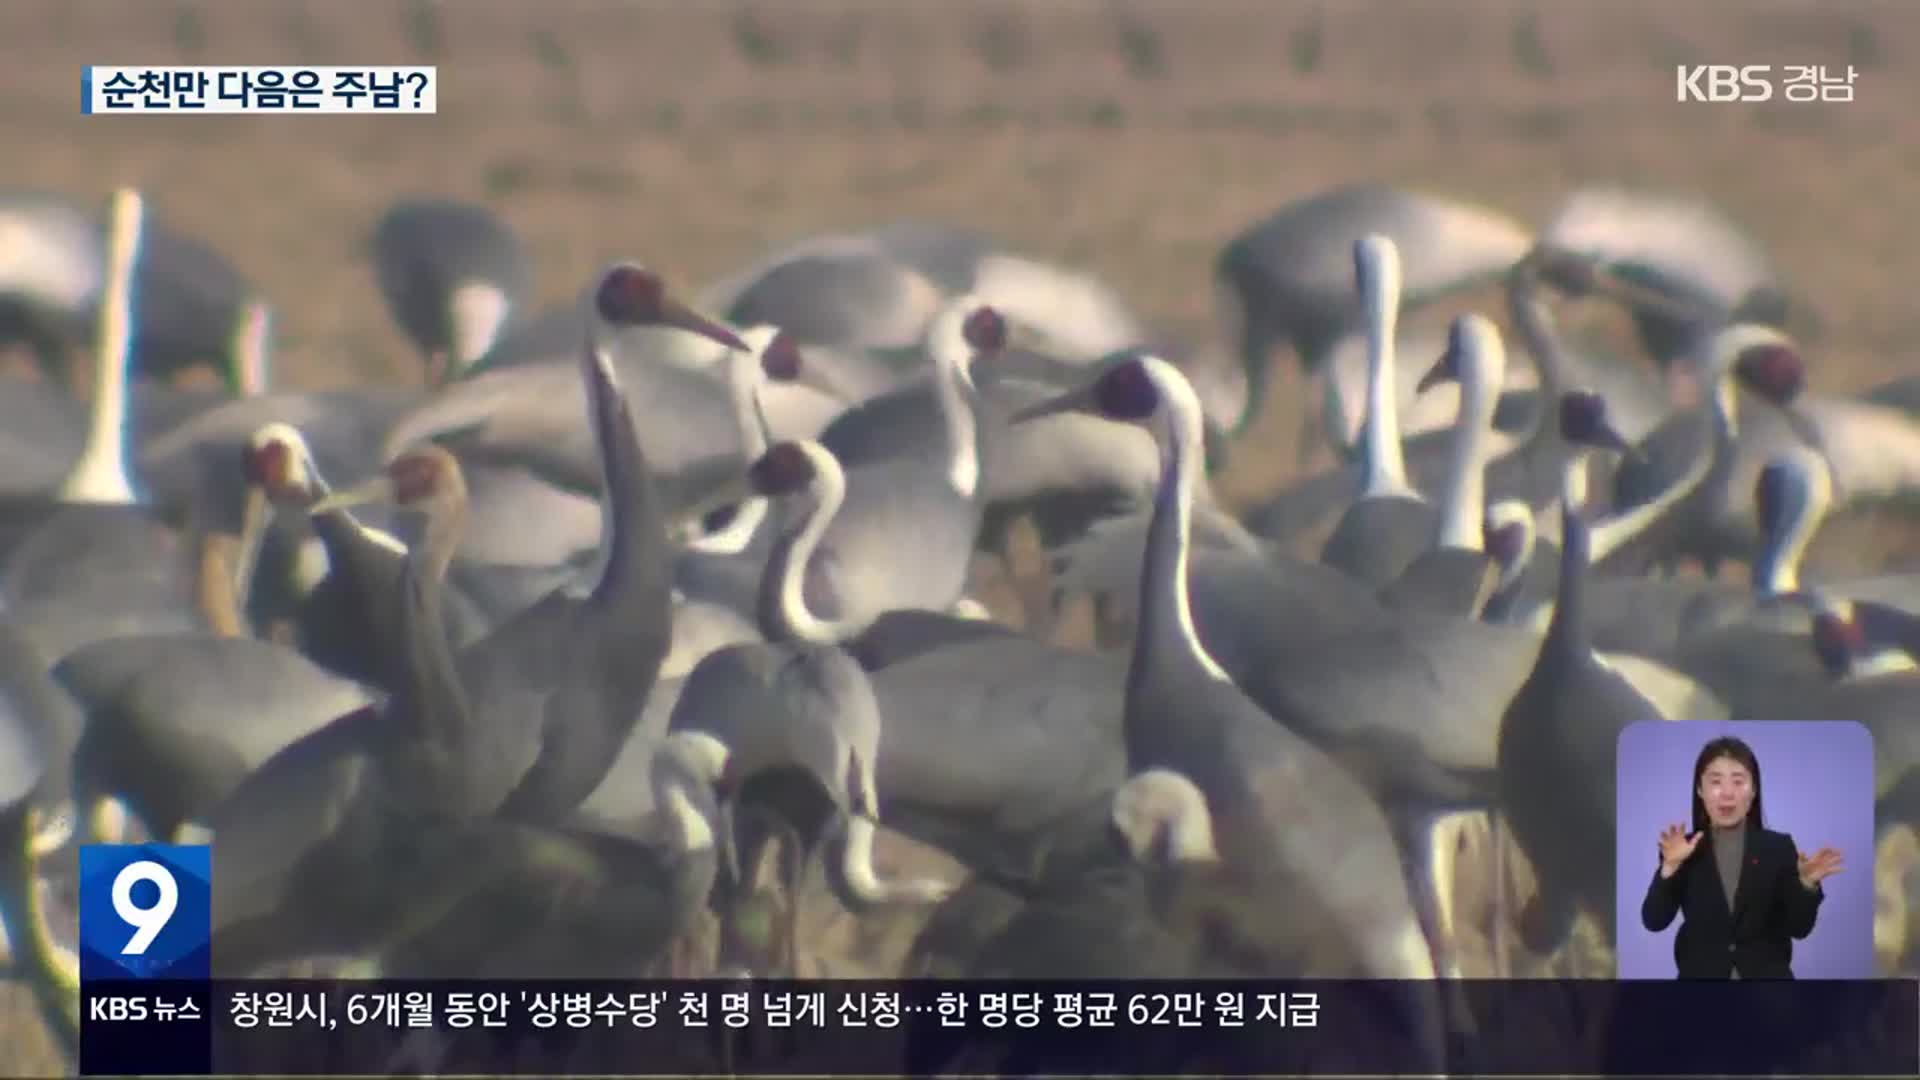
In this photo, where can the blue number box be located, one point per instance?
(146, 911)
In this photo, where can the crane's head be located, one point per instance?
(968, 329)
(1772, 371)
(630, 295)
(277, 461)
(1162, 819)
(985, 330)
(786, 469)
(1472, 342)
(781, 360)
(774, 355)
(1760, 358)
(1584, 422)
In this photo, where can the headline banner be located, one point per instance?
(828, 1028)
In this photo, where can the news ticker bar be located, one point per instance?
(233, 89)
(701, 1028)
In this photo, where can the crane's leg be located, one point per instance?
(1497, 930)
(1426, 854)
(1443, 876)
(740, 901)
(52, 972)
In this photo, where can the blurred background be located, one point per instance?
(1128, 139)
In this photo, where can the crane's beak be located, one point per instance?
(1570, 272)
(675, 314)
(378, 488)
(255, 516)
(1441, 371)
(1579, 274)
(1022, 336)
(1610, 282)
(1022, 362)
(1079, 399)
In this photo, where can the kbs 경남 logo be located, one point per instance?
(1724, 82)
(146, 911)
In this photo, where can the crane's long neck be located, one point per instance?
(477, 313)
(336, 530)
(428, 678)
(1535, 325)
(783, 610)
(1386, 466)
(1463, 512)
(1621, 529)
(952, 359)
(251, 350)
(632, 559)
(442, 537)
(1567, 633)
(1777, 570)
(743, 388)
(1166, 609)
(100, 474)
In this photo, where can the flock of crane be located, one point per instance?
(648, 614)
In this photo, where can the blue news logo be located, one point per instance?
(146, 911)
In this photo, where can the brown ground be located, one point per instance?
(1129, 138)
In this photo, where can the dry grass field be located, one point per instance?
(1128, 138)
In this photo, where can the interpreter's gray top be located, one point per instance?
(1728, 846)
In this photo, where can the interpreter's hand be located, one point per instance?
(1676, 847)
(1819, 866)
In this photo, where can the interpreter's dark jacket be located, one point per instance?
(1755, 937)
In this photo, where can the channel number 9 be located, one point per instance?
(147, 922)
